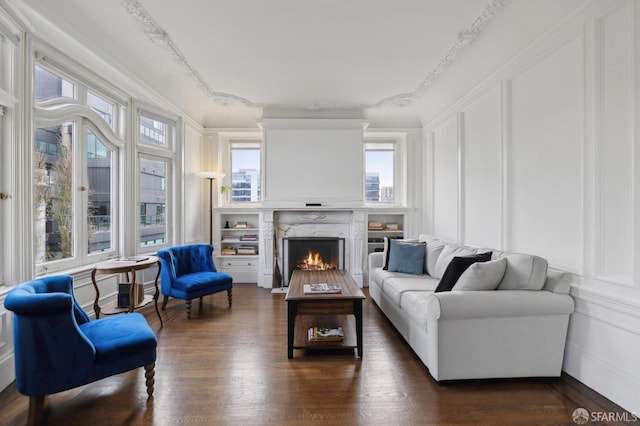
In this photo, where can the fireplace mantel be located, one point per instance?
(276, 223)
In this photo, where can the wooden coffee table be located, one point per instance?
(331, 310)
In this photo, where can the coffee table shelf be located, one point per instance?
(342, 309)
(304, 322)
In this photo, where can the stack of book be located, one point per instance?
(249, 237)
(230, 238)
(228, 251)
(375, 226)
(252, 250)
(321, 288)
(326, 334)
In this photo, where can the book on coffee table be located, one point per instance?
(326, 334)
(322, 288)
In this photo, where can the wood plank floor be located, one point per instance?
(229, 366)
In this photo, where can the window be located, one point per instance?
(54, 193)
(155, 168)
(245, 171)
(153, 200)
(51, 86)
(75, 170)
(153, 131)
(60, 191)
(103, 107)
(99, 169)
(379, 171)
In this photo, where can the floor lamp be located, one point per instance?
(210, 176)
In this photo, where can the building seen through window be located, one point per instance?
(245, 171)
(379, 171)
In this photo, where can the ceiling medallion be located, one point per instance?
(162, 39)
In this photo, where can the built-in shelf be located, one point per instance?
(237, 252)
(382, 225)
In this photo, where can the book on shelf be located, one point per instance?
(230, 239)
(321, 288)
(375, 226)
(247, 250)
(249, 237)
(326, 334)
(392, 227)
(241, 225)
(228, 251)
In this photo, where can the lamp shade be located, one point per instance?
(210, 175)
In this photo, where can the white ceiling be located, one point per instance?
(225, 63)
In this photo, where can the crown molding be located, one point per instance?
(161, 38)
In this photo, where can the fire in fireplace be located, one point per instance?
(311, 253)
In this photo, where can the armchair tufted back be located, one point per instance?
(182, 260)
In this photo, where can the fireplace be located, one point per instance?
(311, 253)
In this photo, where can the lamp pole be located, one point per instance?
(210, 210)
(210, 176)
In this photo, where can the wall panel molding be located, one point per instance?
(613, 47)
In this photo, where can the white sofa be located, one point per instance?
(517, 330)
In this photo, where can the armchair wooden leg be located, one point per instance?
(188, 309)
(149, 374)
(229, 297)
(36, 403)
(165, 299)
(201, 306)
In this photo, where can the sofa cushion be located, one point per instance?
(432, 253)
(425, 238)
(414, 303)
(450, 251)
(386, 249)
(482, 276)
(456, 267)
(407, 257)
(380, 276)
(394, 288)
(523, 272)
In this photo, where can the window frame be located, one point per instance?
(84, 119)
(156, 152)
(399, 167)
(225, 141)
(251, 144)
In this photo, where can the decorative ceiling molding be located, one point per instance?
(161, 38)
(465, 38)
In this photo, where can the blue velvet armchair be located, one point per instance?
(58, 347)
(188, 272)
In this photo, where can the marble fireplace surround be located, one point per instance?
(347, 223)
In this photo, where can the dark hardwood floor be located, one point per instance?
(229, 366)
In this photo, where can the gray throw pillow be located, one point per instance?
(482, 276)
(406, 257)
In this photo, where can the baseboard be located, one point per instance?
(606, 379)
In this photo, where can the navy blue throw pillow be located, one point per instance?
(456, 267)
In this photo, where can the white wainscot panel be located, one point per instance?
(445, 189)
(193, 194)
(614, 256)
(481, 176)
(603, 343)
(545, 161)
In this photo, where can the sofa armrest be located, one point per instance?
(496, 304)
(375, 260)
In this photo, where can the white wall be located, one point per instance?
(313, 161)
(543, 157)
